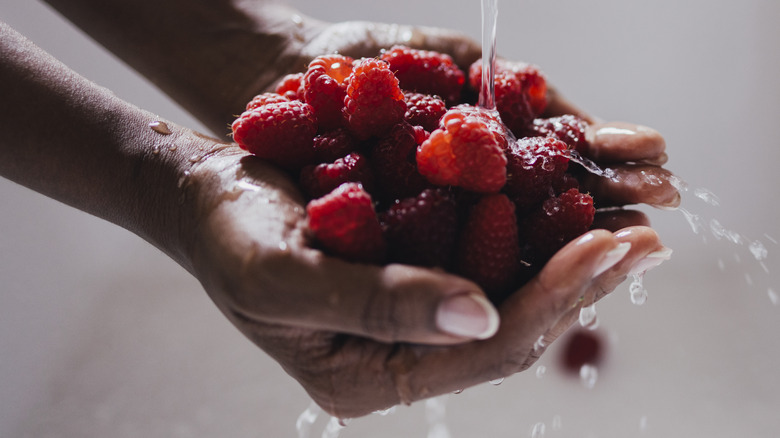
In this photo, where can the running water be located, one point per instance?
(487, 92)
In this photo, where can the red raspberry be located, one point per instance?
(489, 249)
(281, 133)
(521, 91)
(319, 180)
(464, 153)
(534, 166)
(265, 98)
(374, 101)
(395, 166)
(424, 110)
(345, 224)
(559, 220)
(333, 145)
(426, 72)
(568, 128)
(291, 86)
(324, 88)
(422, 230)
(491, 118)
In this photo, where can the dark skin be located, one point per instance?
(358, 338)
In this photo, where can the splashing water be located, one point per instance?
(540, 370)
(588, 318)
(334, 427)
(436, 415)
(538, 430)
(306, 420)
(637, 289)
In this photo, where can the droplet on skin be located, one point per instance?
(385, 412)
(172, 147)
(457, 391)
(160, 127)
(497, 382)
(283, 246)
(156, 150)
(539, 344)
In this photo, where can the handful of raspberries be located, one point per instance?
(400, 165)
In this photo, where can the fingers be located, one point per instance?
(616, 219)
(394, 303)
(625, 142)
(629, 184)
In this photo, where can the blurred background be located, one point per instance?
(102, 335)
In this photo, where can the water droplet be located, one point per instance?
(385, 412)
(592, 167)
(245, 185)
(297, 20)
(707, 196)
(195, 158)
(678, 183)
(436, 416)
(160, 127)
(758, 250)
(283, 246)
(588, 375)
(538, 430)
(156, 150)
(773, 296)
(557, 423)
(306, 420)
(539, 344)
(694, 220)
(588, 315)
(457, 391)
(637, 290)
(334, 427)
(497, 382)
(172, 147)
(540, 370)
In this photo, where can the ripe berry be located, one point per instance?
(319, 180)
(324, 88)
(534, 166)
(489, 249)
(424, 110)
(333, 145)
(291, 86)
(520, 88)
(426, 72)
(345, 224)
(395, 166)
(464, 153)
(568, 128)
(422, 230)
(265, 98)
(374, 101)
(559, 220)
(281, 133)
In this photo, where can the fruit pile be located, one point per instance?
(400, 165)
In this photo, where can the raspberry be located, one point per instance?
(559, 220)
(426, 72)
(345, 224)
(491, 118)
(422, 230)
(534, 166)
(333, 145)
(463, 153)
(319, 180)
(324, 89)
(424, 110)
(281, 133)
(374, 101)
(265, 98)
(521, 91)
(568, 128)
(489, 249)
(291, 86)
(395, 166)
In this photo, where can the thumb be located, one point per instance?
(393, 303)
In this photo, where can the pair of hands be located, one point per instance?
(361, 338)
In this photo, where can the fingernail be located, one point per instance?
(468, 315)
(650, 261)
(670, 204)
(612, 257)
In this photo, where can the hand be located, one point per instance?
(361, 338)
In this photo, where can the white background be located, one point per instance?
(101, 335)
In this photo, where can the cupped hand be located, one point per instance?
(360, 338)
